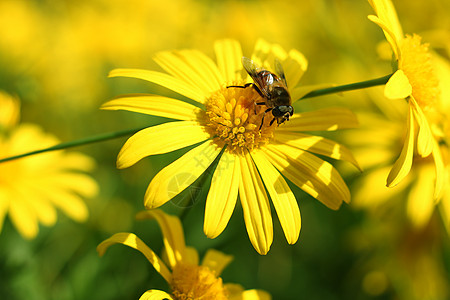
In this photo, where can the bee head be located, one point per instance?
(283, 111)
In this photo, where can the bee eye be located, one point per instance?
(276, 112)
(291, 110)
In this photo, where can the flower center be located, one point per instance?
(234, 118)
(196, 282)
(417, 65)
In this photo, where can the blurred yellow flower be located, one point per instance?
(442, 130)
(32, 188)
(227, 127)
(415, 80)
(400, 262)
(380, 137)
(181, 269)
(10, 111)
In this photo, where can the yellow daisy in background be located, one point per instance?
(180, 268)
(399, 261)
(31, 188)
(225, 124)
(442, 130)
(9, 112)
(415, 80)
(380, 136)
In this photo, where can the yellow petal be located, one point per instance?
(131, 240)
(180, 174)
(175, 84)
(403, 164)
(38, 201)
(372, 157)
(265, 53)
(229, 54)
(77, 161)
(216, 261)
(155, 106)
(29, 137)
(160, 139)
(72, 205)
(24, 219)
(156, 295)
(316, 144)
(424, 137)
(63, 195)
(208, 68)
(312, 174)
(255, 295)
(172, 231)
(191, 66)
(79, 183)
(385, 11)
(372, 191)
(444, 208)
(255, 204)
(5, 198)
(282, 197)
(441, 68)
(294, 66)
(328, 119)
(10, 112)
(391, 37)
(191, 256)
(234, 291)
(420, 204)
(294, 63)
(222, 195)
(441, 172)
(398, 86)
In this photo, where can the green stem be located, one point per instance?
(85, 141)
(117, 134)
(348, 87)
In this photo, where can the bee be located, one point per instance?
(272, 88)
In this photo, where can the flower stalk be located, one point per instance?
(112, 135)
(80, 142)
(348, 87)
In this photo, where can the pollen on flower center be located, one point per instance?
(234, 118)
(196, 282)
(417, 66)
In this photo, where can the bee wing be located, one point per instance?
(252, 69)
(279, 70)
(250, 66)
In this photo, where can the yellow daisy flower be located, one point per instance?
(225, 124)
(33, 187)
(380, 136)
(181, 269)
(415, 80)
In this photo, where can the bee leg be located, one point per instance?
(258, 90)
(271, 122)
(240, 86)
(262, 121)
(257, 103)
(246, 86)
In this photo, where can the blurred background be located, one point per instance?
(55, 57)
